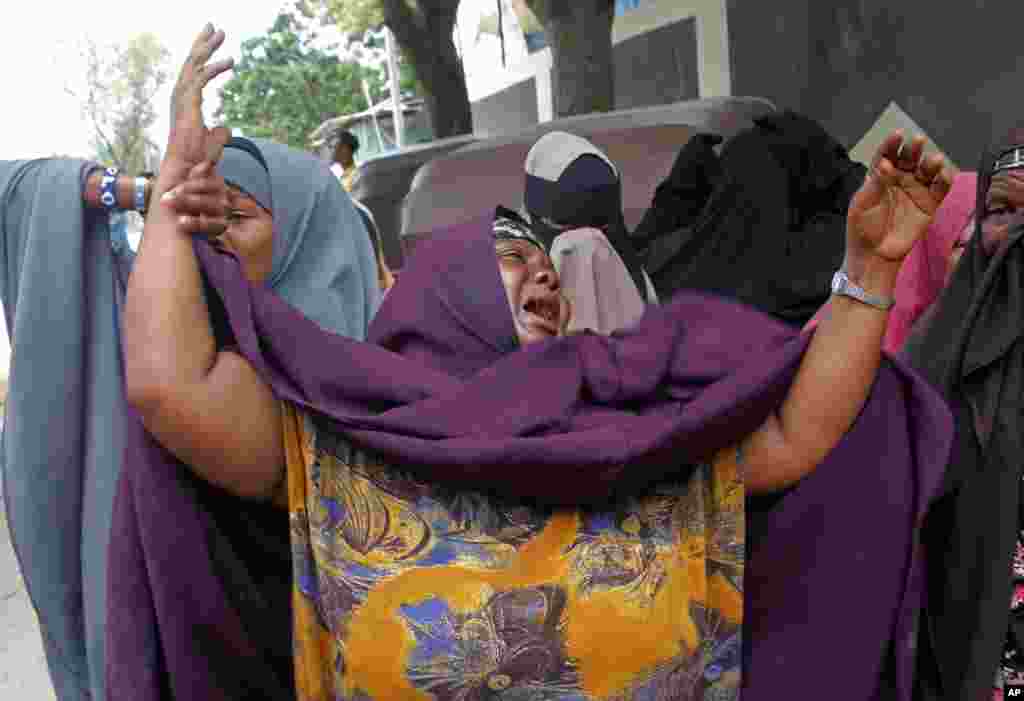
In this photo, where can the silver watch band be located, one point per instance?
(843, 285)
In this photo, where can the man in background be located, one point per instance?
(344, 159)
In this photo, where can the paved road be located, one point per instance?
(23, 672)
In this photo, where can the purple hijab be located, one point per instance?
(442, 389)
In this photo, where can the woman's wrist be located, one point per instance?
(172, 174)
(124, 189)
(873, 274)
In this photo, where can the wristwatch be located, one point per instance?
(843, 285)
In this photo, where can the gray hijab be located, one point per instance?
(65, 410)
(62, 286)
(321, 266)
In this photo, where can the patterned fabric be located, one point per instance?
(509, 225)
(408, 591)
(1011, 667)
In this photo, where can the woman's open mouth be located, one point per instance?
(544, 312)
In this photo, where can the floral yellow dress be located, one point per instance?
(404, 590)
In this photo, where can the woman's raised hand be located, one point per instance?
(191, 142)
(189, 186)
(894, 207)
(201, 203)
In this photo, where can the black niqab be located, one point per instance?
(971, 351)
(764, 223)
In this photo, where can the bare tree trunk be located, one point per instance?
(580, 35)
(423, 29)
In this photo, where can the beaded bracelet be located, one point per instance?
(108, 197)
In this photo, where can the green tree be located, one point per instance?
(283, 88)
(370, 47)
(424, 31)
(117, 95)
(353, 17)
(579, 33)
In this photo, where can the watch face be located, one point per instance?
(839, 283)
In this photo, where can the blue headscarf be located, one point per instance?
(61, 287)
(323, 264)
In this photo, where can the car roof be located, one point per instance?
(468, 182)
(430, 186)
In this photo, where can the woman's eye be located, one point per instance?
(514, 254)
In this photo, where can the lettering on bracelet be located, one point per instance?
(107, 196)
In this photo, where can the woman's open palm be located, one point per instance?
(898, 199)
(191, 142)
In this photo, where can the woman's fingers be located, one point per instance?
(213, 70)
(197, 72)
(200, 182)
(191, 142)
(882, 172)
(930, 167)
(205, 45)
(216, 140)
(942, 183)
(203, 76)
(201, 39)
(202, 225)
(889, 150)
(190, 204)
(200, 195)
(195, 53)
(912, 154)
(201, 170)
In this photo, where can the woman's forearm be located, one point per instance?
(830, 389)
(169, 343)
(205, 405)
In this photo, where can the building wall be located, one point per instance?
(665, 51)
(511, 109)
(658, 67)
(954, 68)
(768, 49)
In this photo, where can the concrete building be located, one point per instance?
(954, 70)
(664, 51)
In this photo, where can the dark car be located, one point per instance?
(384, 180)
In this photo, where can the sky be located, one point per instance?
(37, 50)
(42, 37)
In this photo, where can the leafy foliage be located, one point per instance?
(283, 87)
(423, 29)
(351, 16)
(117, 95)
